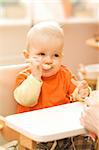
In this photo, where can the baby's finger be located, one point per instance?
(28, 60)
(83, 92)
(37, 59)
(83, 84)
(40, 68)
(75, 82)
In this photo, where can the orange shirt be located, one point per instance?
(56, 90)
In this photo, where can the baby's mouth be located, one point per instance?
(46, 67)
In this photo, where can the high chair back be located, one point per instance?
(91, 74)
(7, 85)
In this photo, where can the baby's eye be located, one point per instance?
(56, 55)
(41, 54)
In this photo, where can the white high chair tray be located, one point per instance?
(49, 124)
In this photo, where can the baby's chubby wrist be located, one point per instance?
(28, 92)
(77, 95)
(83, 93)
(32, 77)
(38, 77)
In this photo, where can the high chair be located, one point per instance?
(91, 74)
(9, 142)
(94, 68)
(7, 103)
(44, 125)
(94, 43)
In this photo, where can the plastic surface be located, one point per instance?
(49, 124)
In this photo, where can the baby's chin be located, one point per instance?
(49, 73)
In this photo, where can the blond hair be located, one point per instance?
(45, 30)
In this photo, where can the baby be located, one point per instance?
(46, 82)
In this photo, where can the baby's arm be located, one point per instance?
(81, 91)
(28, 91)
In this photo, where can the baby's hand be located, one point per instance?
(83, 89)
(35, 67)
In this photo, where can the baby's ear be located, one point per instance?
(25, 53)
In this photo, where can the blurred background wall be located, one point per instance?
(78, 27)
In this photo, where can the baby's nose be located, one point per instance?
(48, 60)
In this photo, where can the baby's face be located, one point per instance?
(49, 56)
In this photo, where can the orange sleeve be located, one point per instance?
(22, 76)
(70, 87)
